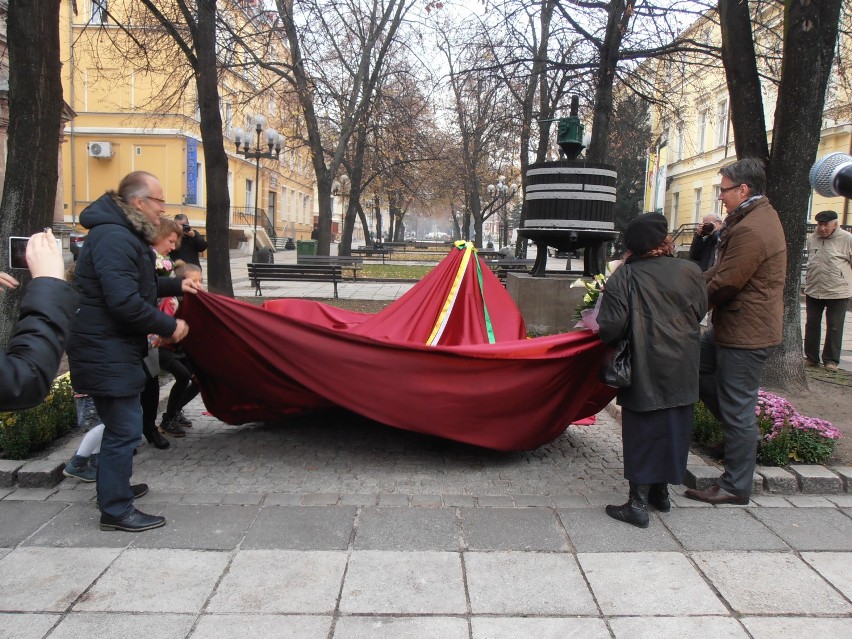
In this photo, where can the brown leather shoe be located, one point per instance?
(712, 495)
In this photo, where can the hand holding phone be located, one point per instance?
(41, 254)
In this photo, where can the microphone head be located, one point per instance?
(823, 170)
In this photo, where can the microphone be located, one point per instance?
(832, 175)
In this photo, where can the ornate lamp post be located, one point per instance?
(340, 188)
(503, 193)
(256, 153)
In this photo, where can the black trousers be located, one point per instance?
(835, 315)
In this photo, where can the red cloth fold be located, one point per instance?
(293, 355)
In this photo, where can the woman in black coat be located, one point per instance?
(660, 301)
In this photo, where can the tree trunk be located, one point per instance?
(810, 35)
(740, 63)
(35, 112)
(215, 158)
(616, 26)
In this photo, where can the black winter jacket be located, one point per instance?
(30, 362)
(118, 289)
(189, 249)
(703, 249)
(668, 301)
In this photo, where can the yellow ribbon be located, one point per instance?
(444, 315)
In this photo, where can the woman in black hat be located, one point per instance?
(659, 301)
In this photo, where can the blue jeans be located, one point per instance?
(728, 382)
(122, 418)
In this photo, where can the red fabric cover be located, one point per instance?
(293, 355)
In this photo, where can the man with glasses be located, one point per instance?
(118, 289)
(745, 290)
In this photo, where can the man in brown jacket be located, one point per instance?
(745, 291)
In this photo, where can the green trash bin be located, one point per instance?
(306, 247)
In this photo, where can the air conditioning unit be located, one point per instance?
(100, 149)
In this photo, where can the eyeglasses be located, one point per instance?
(156, 199)
(723, 189)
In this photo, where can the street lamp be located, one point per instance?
(504, 193)
(256, 153)
(339, 187)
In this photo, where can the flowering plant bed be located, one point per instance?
(785, 435)
(25, 432)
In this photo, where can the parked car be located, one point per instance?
(75, 242)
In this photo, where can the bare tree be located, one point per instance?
(35, 111)
(197, 42)
(810, 32)
(336, 54)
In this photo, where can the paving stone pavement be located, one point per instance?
(336, 527)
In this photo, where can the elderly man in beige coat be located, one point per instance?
(745, 290)
(828, 287)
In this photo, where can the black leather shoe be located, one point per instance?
(137, 521)
(155, 437)
(139, 490)
(715, 495)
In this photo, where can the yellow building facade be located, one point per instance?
(132, 117)
(693, 133)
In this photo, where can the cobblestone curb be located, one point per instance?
(798, 479)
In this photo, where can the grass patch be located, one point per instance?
(394, 271)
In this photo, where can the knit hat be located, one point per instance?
(825, 216)
(646, 232)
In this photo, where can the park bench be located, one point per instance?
(500, 268)
(346, 263)
(258, 273)
(371, 253)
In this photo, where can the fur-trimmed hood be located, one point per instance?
(111, 209)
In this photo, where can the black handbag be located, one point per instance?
(615, 368)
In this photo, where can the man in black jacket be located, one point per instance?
(118, 288)
(28, 365)
(191, 243)
(703, 248)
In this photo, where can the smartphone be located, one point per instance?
(18, 252)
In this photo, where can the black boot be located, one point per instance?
(153, 436)
(658, 497)
(170, 426)
(635, 511)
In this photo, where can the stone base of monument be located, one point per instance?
(547, 304)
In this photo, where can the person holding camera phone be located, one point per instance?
(191, 244)
(703, 248)
(29, 364)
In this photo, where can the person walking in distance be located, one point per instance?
(828, 286)
(745, 292)
(118, 290)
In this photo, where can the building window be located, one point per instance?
(697, 212)
(702, 130)
(99, 12)
(675, 207)
(249, 195)
(722, 122)
(229, 117)
(681, 135)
